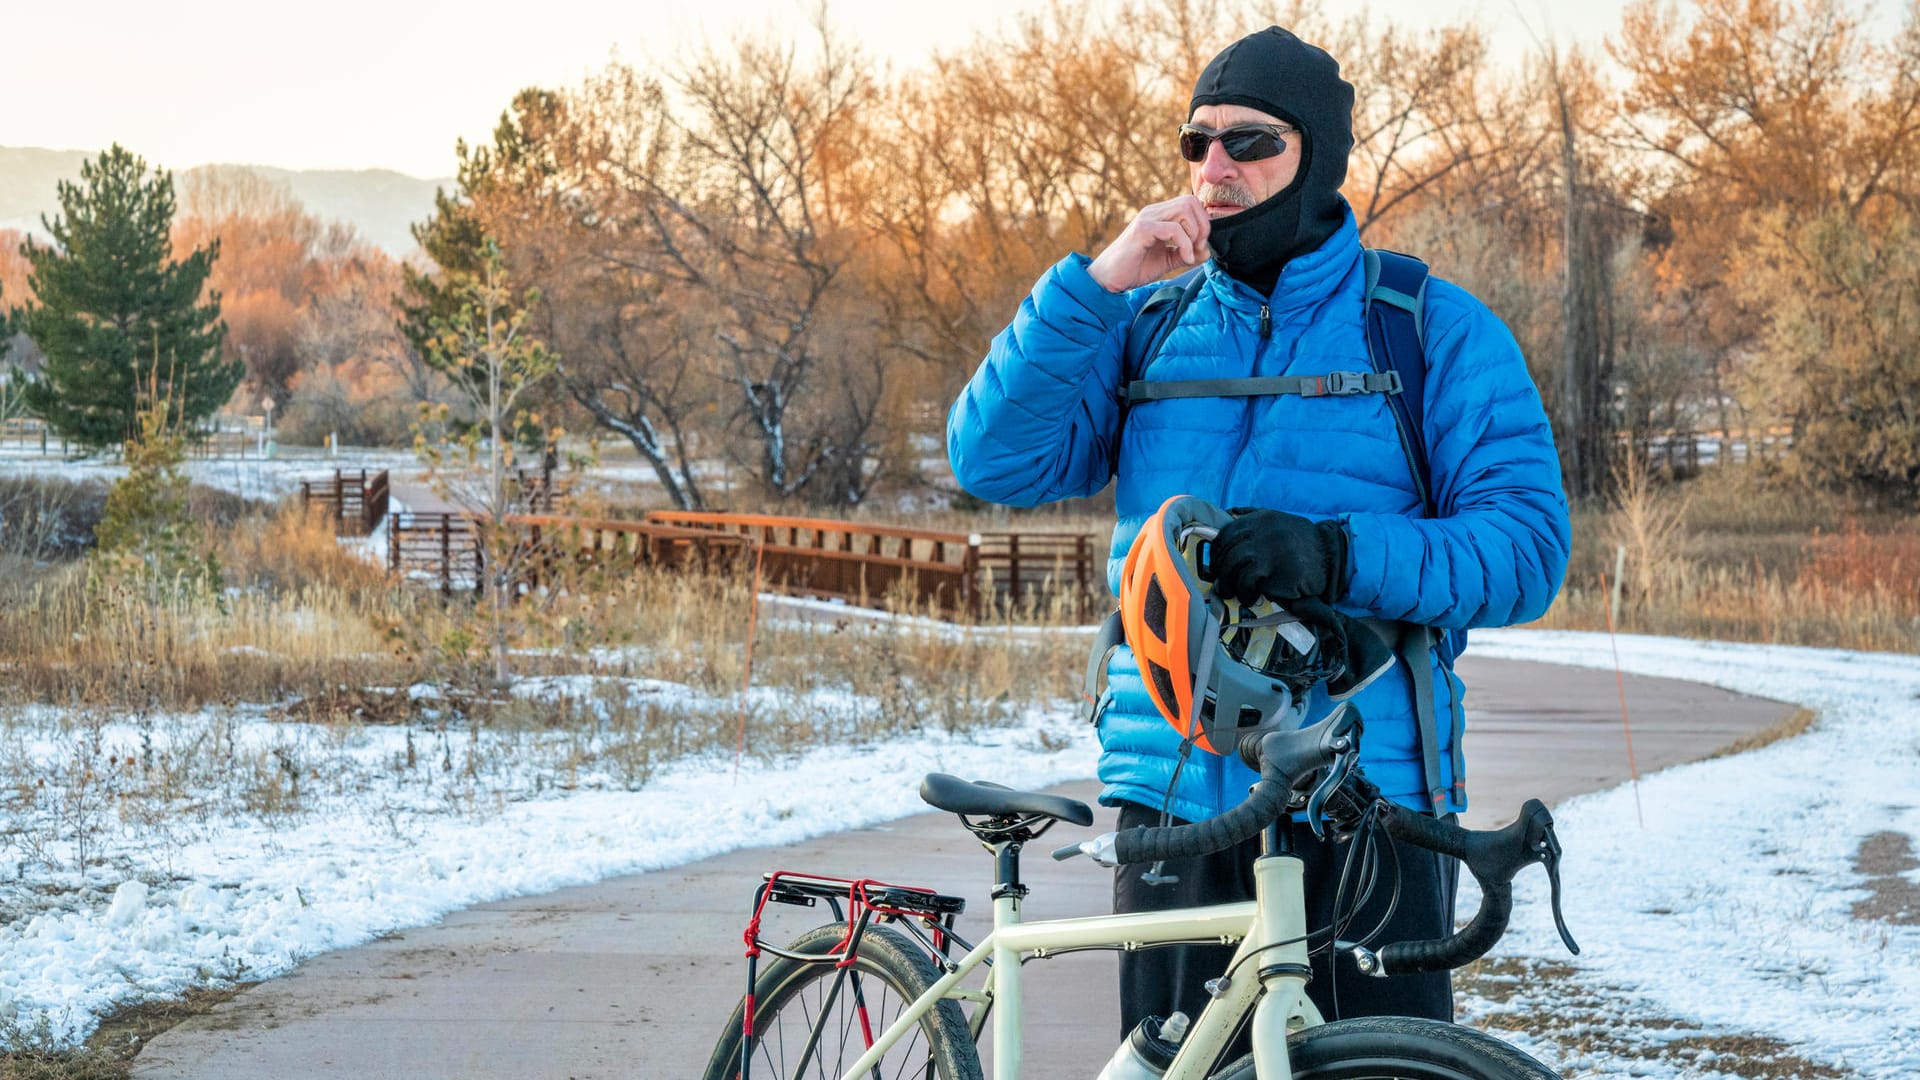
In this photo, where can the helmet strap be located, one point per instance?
(1152, 875)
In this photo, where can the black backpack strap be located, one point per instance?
(1149, 330)
(1332, 384)
(1396, 295)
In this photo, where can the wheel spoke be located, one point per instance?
(814, 1020)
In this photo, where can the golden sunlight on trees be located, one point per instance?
(265, 238)
(1839, 358)
(779, 255)
(1776, 131)
(308, 310)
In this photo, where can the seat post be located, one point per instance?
(1006, 870)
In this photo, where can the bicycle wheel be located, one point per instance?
(816, 1019)
(1398, 1048)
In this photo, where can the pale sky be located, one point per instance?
(392, 83)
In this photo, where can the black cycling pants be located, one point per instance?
(1155, 982)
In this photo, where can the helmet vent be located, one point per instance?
(1154, 610)
(1162, 684)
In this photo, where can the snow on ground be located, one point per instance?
(248, 895)
(250, 477)
(1731, 908)
(1728, 911)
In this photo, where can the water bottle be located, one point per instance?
(1146, 1053)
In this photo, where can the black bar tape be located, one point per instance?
(1261, 808)
(1493, 857)
(1469, 944)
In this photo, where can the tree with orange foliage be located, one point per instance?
(266, 249)
(1785, 139)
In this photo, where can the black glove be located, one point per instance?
(1345, 641)
(1279, 556)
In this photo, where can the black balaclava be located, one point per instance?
(1279, 74)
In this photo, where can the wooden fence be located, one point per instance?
(1030, 570)
(537, 491)
(356, 501)
(444, 548)
(28, 435)
(958, 574)
(447, 548)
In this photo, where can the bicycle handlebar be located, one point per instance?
(1326, 753)
(1493, 856)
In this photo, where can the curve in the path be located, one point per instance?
(632, 977)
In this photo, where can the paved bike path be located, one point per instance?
(632, 977)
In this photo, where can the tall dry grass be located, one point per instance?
(307, 625)
(298, 614)
(1731, 557)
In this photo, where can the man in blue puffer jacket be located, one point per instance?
(1340, 518)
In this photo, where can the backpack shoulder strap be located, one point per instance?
(1396, 297)
(1155, 322)
(1149, 330)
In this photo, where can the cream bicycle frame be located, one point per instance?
(1273, 986)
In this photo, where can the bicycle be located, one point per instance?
(893, 952)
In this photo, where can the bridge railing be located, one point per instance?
(357, 501)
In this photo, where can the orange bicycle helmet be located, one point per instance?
(1215, 668)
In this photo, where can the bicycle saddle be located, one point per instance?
(985, 799)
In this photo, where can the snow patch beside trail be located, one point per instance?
(1731, 906)
(248, 901)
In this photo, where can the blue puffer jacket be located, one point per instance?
(1038, 422)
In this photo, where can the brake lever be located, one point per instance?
(1546, 848)
(1336, 775)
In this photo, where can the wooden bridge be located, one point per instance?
(957, 575)
(356, 501)
(953, 573)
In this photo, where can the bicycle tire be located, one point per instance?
(1398, 1048)
(789, 993)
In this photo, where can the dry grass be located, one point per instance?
(1799, 722)
(109, 1052)
(1726, 556)
(1597, 1023)
(308, 626)
(299, 613)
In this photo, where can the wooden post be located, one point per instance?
(1013, 570)
(1083, 573)
(969, 578)
(446, 555)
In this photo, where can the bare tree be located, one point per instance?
(747, 193)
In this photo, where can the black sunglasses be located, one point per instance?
(1242, 142)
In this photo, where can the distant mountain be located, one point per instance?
(377, 202)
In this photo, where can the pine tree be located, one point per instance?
(10, 381)
(456, 237)
(110, 297)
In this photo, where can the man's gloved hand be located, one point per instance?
(1280, 556)
(1360, 651)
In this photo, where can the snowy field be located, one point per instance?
(250, 478)
(1729, 912)
(1730, 909)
